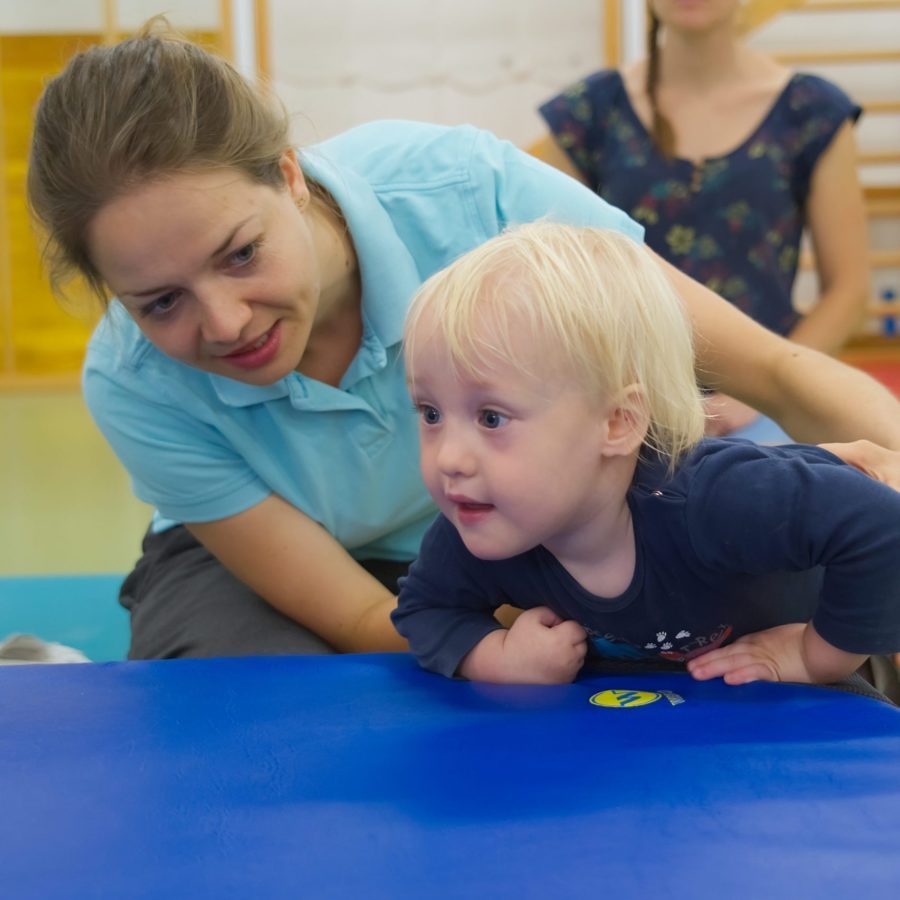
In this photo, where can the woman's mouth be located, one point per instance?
(259, 352)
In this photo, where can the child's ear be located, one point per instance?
(627, 422)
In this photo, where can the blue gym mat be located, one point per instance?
(365, 777)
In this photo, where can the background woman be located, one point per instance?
(724, 156)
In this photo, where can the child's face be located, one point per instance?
(512, 459)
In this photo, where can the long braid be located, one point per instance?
(661, 132)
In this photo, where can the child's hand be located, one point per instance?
(785, 653)
(539, 648)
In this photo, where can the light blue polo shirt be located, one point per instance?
(200, 447)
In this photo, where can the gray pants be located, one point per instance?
(184, 603)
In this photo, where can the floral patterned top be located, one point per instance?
(732, 222)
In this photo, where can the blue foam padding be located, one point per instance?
(763, 430)
(80, 611)
(364, 777)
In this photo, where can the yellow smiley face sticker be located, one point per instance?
(623, 698)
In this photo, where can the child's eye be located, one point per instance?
(490, 418)
(246, 254)
(430, 414)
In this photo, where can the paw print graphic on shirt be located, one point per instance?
(662, 642)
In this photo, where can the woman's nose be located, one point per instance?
(223, 317)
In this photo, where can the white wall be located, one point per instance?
(74, 16)
(488, 62)
(342, 62)
(337, 63)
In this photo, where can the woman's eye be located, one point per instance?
(161, 305)
(490, 418)
(430, 415)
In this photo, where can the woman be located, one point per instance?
(248, 373)
(725, 156)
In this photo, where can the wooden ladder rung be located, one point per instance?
(878, 259)
(846, 5)
(884, 259)
(875, 193)
(882, 209)
(811, 57)
(880, 106)
(879, 157)
(883, 308)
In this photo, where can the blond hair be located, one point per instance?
(597, 307)
(119, 116)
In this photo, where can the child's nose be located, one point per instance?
(455, 455)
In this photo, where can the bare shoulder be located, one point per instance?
(763, 75)
(634, 77)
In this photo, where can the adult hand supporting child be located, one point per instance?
(872, 459)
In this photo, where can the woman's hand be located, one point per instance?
(726, 415)
(872, 459)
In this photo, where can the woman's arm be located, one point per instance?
(294, 564)
(837, 222)
(813, 397)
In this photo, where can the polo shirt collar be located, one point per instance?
(238, 393)
(387, 269)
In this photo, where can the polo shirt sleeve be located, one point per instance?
(444, 607)
(512, 187)
(178, 463)
(764, 510)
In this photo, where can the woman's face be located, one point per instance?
(695, 15)
(218, 271)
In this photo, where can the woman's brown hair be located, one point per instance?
(119, 116)
(661, 131)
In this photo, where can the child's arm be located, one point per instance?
(447, 602)
(785, 653)
(539, 648)
(765, 510)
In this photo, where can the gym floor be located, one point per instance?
(67, 502)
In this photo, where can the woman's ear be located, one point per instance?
(627, 422)
(293, 177)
